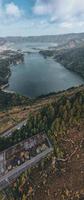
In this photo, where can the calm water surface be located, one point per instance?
(37, 76)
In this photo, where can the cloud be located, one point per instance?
(9, 10)
(63, 15)
(1, 10)
(67, 25)
(13, 10)
(60, 10)
(45, 17)
(42, 7)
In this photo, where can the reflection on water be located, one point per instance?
(37, 76)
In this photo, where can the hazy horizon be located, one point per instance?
(72, 33)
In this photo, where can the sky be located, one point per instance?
(41, 17)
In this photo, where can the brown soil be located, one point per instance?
(69, 185)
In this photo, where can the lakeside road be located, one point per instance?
(17, 127)
(8, 178)
(31, 109)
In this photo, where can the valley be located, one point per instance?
(67, 139)
(42, 118)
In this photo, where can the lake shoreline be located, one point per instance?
(50, 76)
(67, 58)
(3, 88)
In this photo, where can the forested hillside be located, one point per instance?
(6, 59)
(4, 71)
(71, 58)
(54, 118)
(59, 175)
(8, 100)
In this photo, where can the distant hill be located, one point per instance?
(59, 39)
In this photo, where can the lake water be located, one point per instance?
(37, 76)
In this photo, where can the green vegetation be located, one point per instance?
(62, 119)
(63, 122)
(8, 100)
(4, 71)
(7, 58)
(71, 58)
(54, 119)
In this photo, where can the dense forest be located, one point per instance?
(71, 58)
(8, 100)
(4, 71)
(59, 175)
(54, 119)
(7, 58)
